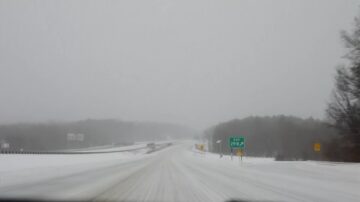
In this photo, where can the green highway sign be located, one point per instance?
(237, 142)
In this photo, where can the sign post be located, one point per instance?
(237, 143)
(239, 153)
(219, 143)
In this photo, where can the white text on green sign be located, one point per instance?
(237, 142)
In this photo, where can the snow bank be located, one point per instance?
(27, 168)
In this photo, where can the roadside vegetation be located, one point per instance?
(291, 138)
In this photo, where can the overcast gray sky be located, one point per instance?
(189, 62)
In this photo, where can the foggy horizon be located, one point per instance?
(187, 63)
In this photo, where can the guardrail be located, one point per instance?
(67, 152)
(160, 146)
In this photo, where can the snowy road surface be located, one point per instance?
(179, 174)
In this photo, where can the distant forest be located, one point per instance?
(283, 137)
(54, 136)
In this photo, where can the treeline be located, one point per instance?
(55, 136)
(283, 137)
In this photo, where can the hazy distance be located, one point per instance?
(188, 62)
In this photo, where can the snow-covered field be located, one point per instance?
(266, 179)
(26, 168)
(176, 173)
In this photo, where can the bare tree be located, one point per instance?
(344, 110)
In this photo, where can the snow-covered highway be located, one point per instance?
(177, 173)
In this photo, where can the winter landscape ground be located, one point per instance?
(175, 173)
